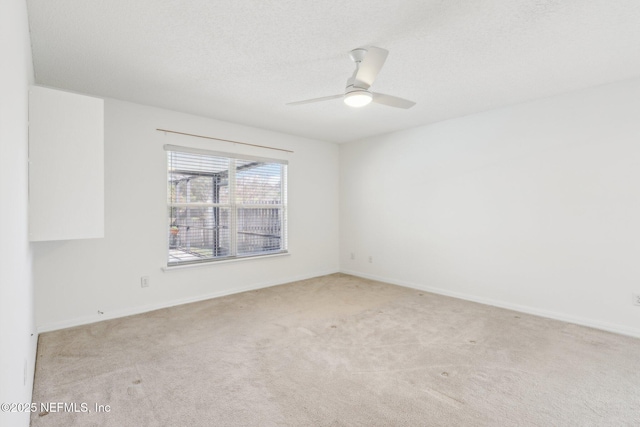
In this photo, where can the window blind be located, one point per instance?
(223, 206)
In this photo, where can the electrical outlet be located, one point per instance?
(370, 259)
(144, 281)
(353, 255)
(636, 299)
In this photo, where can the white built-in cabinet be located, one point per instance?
(66, 165)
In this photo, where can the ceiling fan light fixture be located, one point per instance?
(358, 98)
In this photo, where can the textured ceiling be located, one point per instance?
(242, 60)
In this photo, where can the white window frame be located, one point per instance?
(232, 205)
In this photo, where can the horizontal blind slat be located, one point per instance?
(180, 149)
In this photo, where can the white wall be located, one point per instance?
(17, 344)
(76, 279)
(534, 207)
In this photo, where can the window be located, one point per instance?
(224, 206)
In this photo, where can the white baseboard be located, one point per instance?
(129, 311)
(605, 326)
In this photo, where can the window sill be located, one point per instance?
(223, 261)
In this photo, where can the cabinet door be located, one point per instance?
(66, 165)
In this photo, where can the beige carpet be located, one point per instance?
(338, 351)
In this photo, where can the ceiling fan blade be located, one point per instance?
(309, 101)
(370, 66)
(392, 101)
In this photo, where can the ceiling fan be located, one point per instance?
(369, 62)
